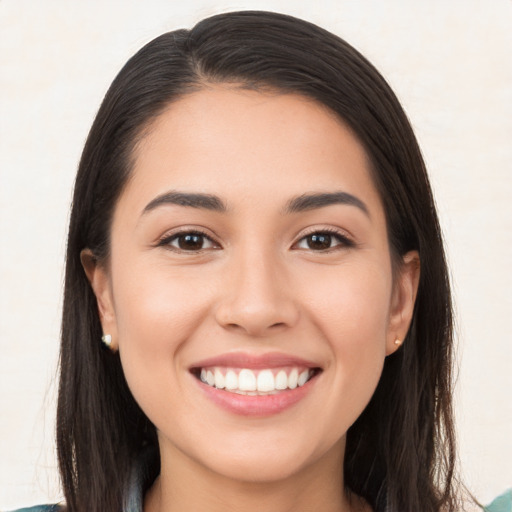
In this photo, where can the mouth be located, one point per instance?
(258, 385)
(255, 382)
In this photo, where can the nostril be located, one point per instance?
(256, 315)
(255, 329)
(233, 326)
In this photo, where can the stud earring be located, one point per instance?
(398, 342)
(107, 340)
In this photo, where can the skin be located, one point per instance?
(258, 286)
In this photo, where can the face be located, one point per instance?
(249, 289)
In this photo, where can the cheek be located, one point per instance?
(352, 305)
(353, 315)
(156, 312)
(156, 304)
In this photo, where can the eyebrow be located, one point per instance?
(312, 201)
(297, 204)
(193, 200)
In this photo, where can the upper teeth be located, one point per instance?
(247, 381)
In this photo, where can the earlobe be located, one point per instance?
(99, 280)
(404, 298)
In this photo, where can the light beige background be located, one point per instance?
(450, 63)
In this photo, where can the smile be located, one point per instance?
(245, 381)
(255, 385)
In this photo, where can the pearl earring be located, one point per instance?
(398, 342)
(107, 340)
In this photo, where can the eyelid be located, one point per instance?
(168, 236)
(345, 240)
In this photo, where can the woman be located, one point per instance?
(254, 239)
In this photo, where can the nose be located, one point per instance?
(257, 299)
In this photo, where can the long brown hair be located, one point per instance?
(400, 452)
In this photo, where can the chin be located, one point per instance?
(267, 460)
(258, 469)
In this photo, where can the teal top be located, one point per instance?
(40, 508)
(142, 477)
(502, 503)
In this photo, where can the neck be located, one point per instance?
(184, 484)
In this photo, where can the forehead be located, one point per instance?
(246, 144)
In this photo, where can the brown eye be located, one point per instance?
(189, 241)
(323, 241)
(319, 241)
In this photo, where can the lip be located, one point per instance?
(263, 405)
(254, 361)
(255, 405)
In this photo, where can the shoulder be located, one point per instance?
(42, 508)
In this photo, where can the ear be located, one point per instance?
(100, 283)
(402, 303)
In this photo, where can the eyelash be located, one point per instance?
(167, 240)
(343, 240)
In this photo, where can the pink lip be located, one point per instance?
(254, 361)
(254, 405)
(263, 405)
